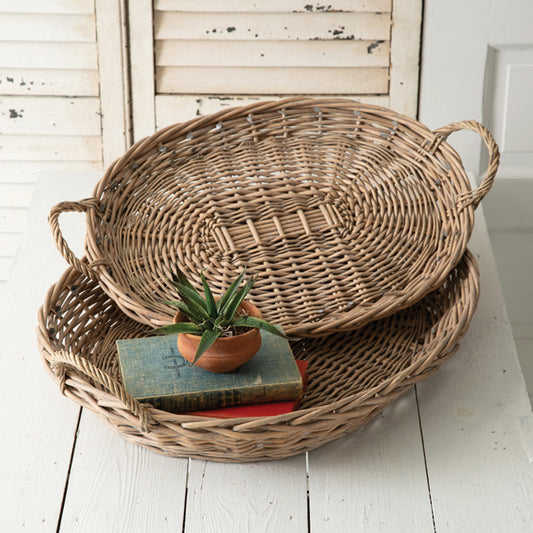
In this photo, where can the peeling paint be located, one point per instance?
(370, 48)
(231, 29)
(13, 113)
(320, 9)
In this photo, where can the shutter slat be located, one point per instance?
(274, 6)
(171, 109)
(174, 53)
(272, 26)
(194, 80)
(39, 27)
(50, 148)
(27, 171)
(42, 115)
(48, 55)
(77, 7)
(54, 82)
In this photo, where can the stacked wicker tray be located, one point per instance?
(356, 220)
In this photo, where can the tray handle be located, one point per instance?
(60, 359)
(61, 243)
(474, 197)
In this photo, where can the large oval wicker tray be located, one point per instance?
(347, 212)
(352, 375)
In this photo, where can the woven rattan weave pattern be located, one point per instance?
(347, 212)
(352, 375)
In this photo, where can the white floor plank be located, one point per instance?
(117, 486)
(373, 480)
(479, 472)
(256, 497)
(39, 423)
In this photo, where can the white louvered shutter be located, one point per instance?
(62, 103)
(209, 54)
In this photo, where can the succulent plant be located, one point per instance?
(210, 318)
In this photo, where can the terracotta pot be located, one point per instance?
(226, 353)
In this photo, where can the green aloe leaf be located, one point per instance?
(208, 338)
(191, 294)
(180, 327)
(231, 290)
(209, 298)
(184, 308)
(254, 322)
(181, 279)
(229, 310)
(194, 302)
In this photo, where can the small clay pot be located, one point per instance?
(226, 353)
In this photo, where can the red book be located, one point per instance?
(260, 409)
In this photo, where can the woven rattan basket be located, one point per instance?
(347, 212)
(352, 375)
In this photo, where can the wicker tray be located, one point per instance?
(79, 324)
(347, 212)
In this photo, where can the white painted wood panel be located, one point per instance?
(471, 406)
(54, 82)
(114, 79)
(508, 205)
(273, 6)
(358, 483)
(117, 486)
(42, 423)
(142, 70)
(63, 93)
(258, 497)
(405, 53)
(5, 266)
(508, 107)
(45, 115)
(12, 219)
(208, 53)
(514, 253)
(172, 109)
(47, 27)
(242, 50)
(77, 7)
(246, 26)
(27, 171)
(15, 195)
(59, 148)
(50, 55)
(8, 245)
(272, 80)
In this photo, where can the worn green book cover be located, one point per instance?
(154, 371)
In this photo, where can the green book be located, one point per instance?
(154, 371)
